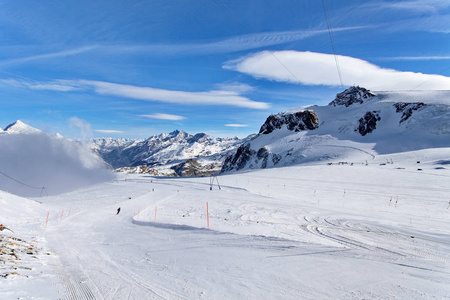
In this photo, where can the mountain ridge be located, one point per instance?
(357, 123)
(167, 153)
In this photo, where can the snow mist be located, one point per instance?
(39, 160)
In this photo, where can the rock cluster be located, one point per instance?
(297, 121)
(352, 95)
(368, 122)
(407, 109)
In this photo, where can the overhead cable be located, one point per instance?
(330, 33)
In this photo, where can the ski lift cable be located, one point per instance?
(32, 187)
(330, 33)
(250, 32)
(439, 73)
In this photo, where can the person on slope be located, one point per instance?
(118, 211)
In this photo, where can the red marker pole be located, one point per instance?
(207, 214)
(61, 215)
(46, 222)
(155, 213)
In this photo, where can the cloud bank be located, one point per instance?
(312, 68)
(41, 160)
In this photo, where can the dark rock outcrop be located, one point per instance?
(352, 95)
(368, 122)
(189, 168)
(407, 109)
(240, 159)
(301, 120)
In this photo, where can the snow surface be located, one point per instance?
(429, 97)
(315, 231)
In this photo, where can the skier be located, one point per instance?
(118, 211)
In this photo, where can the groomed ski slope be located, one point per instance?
(314, 231)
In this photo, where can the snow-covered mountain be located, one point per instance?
(163, 153)
(20, 127)
(357, 124)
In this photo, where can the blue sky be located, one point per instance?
(137, 68)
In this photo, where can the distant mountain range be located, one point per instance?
(358, 125)
(177, 153)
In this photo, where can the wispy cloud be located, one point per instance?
(47, 56)
(212, 97)
(56, 85)
(232, 44)
(82, 125)
(392, 16)
(320, 69)
(237, 87)
(415, 58)
(108, 131)
(164, 117)
(236, 125)
(417, 6)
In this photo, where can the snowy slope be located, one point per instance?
(358, 124)
(315, 231)
(26, 264)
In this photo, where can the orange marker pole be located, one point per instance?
(207, 214)
(155, 213)
(46, 222)
(61, 215)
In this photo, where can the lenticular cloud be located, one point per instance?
(39, 160)
(320, 69)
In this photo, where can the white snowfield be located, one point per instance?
(315, 231)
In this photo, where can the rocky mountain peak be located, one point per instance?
(297, 121)
(352, 95)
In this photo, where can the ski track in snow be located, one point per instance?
(294, 233)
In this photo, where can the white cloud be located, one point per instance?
(320, 69)
(85, 127)
(212, 97)
(108, 131)
(236, 125)
(237, 87)
(164, 117)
